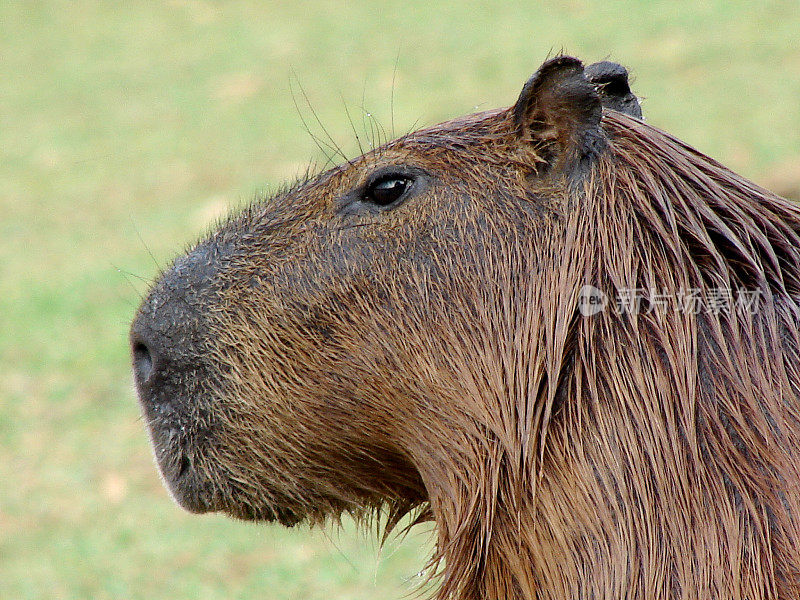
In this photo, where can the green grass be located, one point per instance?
(126, 128)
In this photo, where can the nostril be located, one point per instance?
(142, 361)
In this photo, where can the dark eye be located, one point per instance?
(387, 190)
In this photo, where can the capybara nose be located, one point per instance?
(150, 355)
(163, 352)
(143, 360)
(168, 334)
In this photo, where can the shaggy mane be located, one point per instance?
(672, 451)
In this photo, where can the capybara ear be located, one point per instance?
(611, 81)
(558, 112)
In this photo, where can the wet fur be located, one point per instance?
(431, 359)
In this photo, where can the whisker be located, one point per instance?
(391, 100)
(352, 126)
(333, 143)
(127, 275)
(141, 239)
(364, 115)
(316, 140)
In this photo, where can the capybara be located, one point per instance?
(560, 334)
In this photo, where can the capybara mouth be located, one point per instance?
(189, 488)
(199, 486)
(189, 492)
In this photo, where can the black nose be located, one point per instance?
(152, 358)
(165, 352)
(170, 332)
(142, 360)
(166, 341)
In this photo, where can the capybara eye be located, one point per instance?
(387, 190)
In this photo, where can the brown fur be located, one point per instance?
(431, 358)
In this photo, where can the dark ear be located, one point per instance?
(558, 112)
(611, 81)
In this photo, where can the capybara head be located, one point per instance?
(409, 332)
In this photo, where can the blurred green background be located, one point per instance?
(127, 128)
